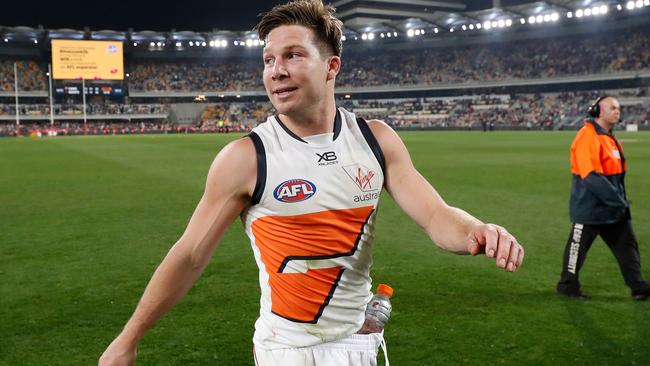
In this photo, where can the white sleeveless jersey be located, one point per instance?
(311, 227)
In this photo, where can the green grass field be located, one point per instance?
(84, 221)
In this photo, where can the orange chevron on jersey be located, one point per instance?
(291, 245)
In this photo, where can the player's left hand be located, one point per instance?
(496, 242)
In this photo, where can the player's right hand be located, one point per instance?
(117, 354)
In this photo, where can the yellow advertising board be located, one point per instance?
(91, 60)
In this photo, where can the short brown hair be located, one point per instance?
(312, 14)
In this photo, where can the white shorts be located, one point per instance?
(355, 350)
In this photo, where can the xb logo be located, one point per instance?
(326, 156)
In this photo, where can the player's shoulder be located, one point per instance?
(383, 133)
(241, 149)
(379, 128)
(237, 159)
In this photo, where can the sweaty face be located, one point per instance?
(295, 74)
(610, 111)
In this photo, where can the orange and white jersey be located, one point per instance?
(311, 227)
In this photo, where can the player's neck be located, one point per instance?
(311, 122)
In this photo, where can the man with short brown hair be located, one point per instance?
(306, 184)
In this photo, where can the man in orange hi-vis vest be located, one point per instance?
(599, 204)
(306, 184)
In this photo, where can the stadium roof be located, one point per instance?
(366, 16)
(363, 19)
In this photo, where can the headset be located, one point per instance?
(594, 109)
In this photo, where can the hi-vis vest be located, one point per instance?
(311, 227)
(598, 185)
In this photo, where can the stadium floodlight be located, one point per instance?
(501, 23)
(364, 36)
(479, 25)
(204, 44)
(249, 43)
(135, 44)
(224, 43)
(579, 13)
(159, 44)
(471, 27)
(151, 44)
(464, 27)
(211, 43)
(256, 43)
(381, 35)
(646, 2)
(587, 12)
(371, 36)
(494, 24)
(531, 20)
(395, 34)
(36, 41)
(417, 32)
(487, 25)
(128, 75)
(451, 30)
(6, 40)
(410, 32)
(630, 5)
(555, 17)
(191, 43)
(547, 18)
(639, 4)
(619, 7)
(539, 18)
(422, 31)
(569, 15)
(508, 22)
(522, 21)
(435, 30)
(178, 44)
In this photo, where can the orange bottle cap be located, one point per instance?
(384, 289)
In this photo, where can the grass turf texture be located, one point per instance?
(86, 220)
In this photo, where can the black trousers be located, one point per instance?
(620, 239)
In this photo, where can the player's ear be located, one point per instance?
(333, 67)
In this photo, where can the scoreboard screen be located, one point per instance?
(114, 89)
(90, 60)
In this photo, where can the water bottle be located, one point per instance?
(378, 311)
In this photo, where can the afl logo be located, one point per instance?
(111, 48)
(294, 190)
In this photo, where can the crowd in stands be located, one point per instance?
(474, 112)
(196, 75)
(77, 109)
(541, 58)
(43, 129)
(31, 77)
(531, 111)
(545, 58)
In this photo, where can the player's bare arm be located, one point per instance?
(450, 228)
(230, 183)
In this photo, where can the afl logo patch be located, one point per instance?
(294, 190)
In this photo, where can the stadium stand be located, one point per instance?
(518, 81)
